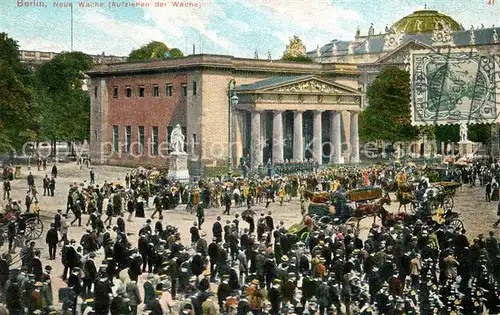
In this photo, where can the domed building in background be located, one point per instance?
(422, 29)
(425, 21)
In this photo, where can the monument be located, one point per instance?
(178, 170)
(466, 146)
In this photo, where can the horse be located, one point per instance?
(390, 219)
(307, 194)
(371, 209)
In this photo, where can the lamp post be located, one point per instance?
(232, 101)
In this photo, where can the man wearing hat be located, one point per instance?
(223, 291)
(213, 254)
(52, 239)
(217, 230)
(149, 289)
(90, 274)
(275, 297)
(132, 292)
(47, 286)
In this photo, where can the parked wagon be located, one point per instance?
(29, 222)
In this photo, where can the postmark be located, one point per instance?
(454, 87)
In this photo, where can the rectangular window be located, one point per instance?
(169, 90)
(156, 91)
(194, 87)
(128, 91)
(116, 146)
(115, 92)
(169, 131)
(141, 91)
(184, 89)
(128, 138)
(154, 141)
(140, 148)
(95, 92)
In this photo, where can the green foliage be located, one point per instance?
(388, 117)
(64, 105)
(304, 59)
(176, 52)
(480, 133)
(154, 50)
(445, 133)
(475, 133)
(16, 101)
(295, 50)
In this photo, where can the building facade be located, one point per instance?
(37, 57)
(423, 29)
(285, 111)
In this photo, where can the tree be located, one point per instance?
(154, 50)
(64, 105)
(296, 51)
(176, 52)
(475, 133)
(480, 133)
(16, 101)
(445, 133)
(388, 117)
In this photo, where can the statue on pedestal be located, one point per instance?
(177, 140)
(463, 133)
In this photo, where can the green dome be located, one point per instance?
(424, 21)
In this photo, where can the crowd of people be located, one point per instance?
(252, 264)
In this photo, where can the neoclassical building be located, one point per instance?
(284, 111)
(423, 29)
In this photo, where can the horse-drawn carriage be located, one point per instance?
(28, 224)
(346, 208)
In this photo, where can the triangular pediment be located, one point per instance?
(303, 85)
(400, 54)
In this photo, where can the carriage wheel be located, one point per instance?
(456, 223)
(325, 220)
(448, 203)
(34, 229)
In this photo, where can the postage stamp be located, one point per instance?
(455, 87)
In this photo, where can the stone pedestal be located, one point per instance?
(466, 149)
(178, 168)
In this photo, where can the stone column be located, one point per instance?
(298, 137)
(354, 154)
(335, 138)
(237, 137)
(278, 137)
(256, 141)
(317, 143)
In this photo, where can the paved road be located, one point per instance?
(478, 215)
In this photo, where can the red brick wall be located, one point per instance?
(147, 111)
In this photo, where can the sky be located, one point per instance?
(228, 27)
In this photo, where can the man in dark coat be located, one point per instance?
(102, 292)
(154, 305)
(52, 186)
(51, 240)
(54, 171)
(37, 267)
(90, 274)
(13, 299)
(213, 254)
(269, 221)
(275, 298)
(217, 230)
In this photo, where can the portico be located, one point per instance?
(295, 119)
